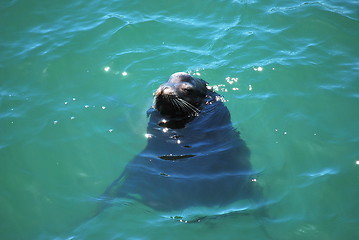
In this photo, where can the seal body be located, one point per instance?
(193, 156)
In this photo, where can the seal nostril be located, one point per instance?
(167, 90)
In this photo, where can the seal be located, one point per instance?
(193, 157)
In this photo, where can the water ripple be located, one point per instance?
(320, 173)
(293, 66)
(337, 7)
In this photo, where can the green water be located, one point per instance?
(77, 78)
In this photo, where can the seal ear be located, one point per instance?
(202, 85)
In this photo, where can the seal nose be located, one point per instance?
(167, 90)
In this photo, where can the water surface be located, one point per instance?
(77, 78)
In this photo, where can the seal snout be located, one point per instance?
(167, 89)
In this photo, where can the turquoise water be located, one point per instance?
(77, 78)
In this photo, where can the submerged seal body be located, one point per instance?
(193, 157)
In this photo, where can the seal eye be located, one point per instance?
(188, 90)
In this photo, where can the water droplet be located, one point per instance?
(147, 135)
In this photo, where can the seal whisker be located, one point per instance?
(169, 99)
(176, 104)
(190, 106)
(180, 105)
(183, 102)
(185, 107)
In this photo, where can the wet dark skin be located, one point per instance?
(193, 156)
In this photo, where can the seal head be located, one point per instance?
(181, 96)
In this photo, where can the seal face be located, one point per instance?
(193, 156)
(181, 96)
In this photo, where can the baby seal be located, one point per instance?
(193, 156)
